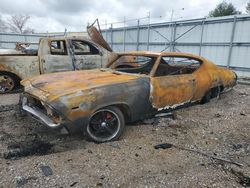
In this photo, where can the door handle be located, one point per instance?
(43, 60)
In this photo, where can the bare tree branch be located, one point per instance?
(17, 24)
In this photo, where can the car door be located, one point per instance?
(170, 86)
(86, 55)
(56, 58)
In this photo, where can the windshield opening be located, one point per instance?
(134, 64)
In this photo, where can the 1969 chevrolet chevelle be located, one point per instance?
(99, 102)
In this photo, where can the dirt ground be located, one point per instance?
(208, 146)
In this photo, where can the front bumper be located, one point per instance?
(39, 115)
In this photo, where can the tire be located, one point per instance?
(207, 97)
(8, 83)
(215, 92)
(105, 125)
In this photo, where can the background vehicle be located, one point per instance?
(100, 102)
(54, 54)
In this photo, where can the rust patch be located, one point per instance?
(2, 67)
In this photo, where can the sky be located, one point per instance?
(74, 15)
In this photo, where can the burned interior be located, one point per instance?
(177, 65)
(139, 64)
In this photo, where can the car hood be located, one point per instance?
(97, 37)
(59, 84)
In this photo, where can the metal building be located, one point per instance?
(224, 40)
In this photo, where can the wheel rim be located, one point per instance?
(104, 125)
(6, 83)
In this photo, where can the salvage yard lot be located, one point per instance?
(33, 156)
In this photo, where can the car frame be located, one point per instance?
(100, 102)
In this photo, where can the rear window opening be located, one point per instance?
(58, 47)
(176, 66)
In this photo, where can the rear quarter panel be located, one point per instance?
(209, 76)
(22, 66)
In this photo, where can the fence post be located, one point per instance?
(148, 37)
(1, 41)
(231, 42)
(202, 30)
(106, 30)
(111, 35)
(171, 37)
(148, 30)
(124, 36)
(138, 35)
(174, 34)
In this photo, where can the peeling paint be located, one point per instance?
(174, 106)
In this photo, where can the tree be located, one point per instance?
(224, 9)
(248, 7)
(17, 24)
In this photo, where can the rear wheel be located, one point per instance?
(8, 83)
(212, 93)
(215, 92)
(206, 98)
(105, 125)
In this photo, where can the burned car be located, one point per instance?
(54, 54)
(100, 102)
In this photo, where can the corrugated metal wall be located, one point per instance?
(224, 40)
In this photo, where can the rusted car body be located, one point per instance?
(88, 100)
(54, 54)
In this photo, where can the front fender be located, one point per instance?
(133, 94)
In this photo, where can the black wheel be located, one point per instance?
(105, 125)
(7, 83)
(206, 98)
(215, 92)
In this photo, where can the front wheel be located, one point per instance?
(206, 98)
(106, 124)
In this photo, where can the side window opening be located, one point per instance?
(176, 66)
(58, 47)
(84, 48)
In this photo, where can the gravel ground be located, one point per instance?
(198, 138)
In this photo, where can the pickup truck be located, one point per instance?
(54, 54)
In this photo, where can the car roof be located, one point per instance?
(155, 54)
(69, 38)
